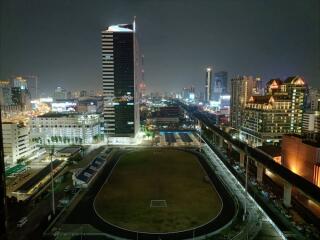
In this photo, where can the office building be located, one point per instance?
(5, 93)
(313, 99)
(66, 128)
(17, 144)
(121, 65)
(311, 122)
(208, 88)
(220, 85)
(20, 82)
(267, 118)
(60, 94)
(241, 90)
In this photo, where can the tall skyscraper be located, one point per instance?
(121, 68)
(208, 88)
(220, 85)
(241, 91)
(3, 213)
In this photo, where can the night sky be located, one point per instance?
(59, 40)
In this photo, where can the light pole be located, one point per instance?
(52, 184)
(246, 185)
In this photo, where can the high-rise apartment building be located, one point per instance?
(242, 88)
(121, 69)
(208, 87)
(267, 118)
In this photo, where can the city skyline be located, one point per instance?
(265, 42)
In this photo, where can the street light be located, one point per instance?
(52, 184)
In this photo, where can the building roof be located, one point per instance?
(271, 150)
(121, 28)
(297, 80)
(71, 150)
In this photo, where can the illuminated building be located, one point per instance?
(208, 88)
(302, 157)
(311, 122)
(16, 142)
(220, 85)
(314, 99)
(242, 88)
(121, 70)
(60, 94)
(19, 82)
(20, 94)
(5, 93)
(266, 118)
(65, 128)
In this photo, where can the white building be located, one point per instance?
(311, 122)
(16, 142)
(66, 128)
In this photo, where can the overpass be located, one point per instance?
(261, 159)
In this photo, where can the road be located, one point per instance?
(39, 209)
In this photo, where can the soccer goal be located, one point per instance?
(158, 203)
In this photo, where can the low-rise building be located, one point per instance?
(302, 157)
(16, 142)
(66, 128)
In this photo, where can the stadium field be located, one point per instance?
(158, 191)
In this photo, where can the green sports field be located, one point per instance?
(172, 176)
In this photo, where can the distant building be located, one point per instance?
(83, 93)
(302, 157)
(208, 88)
(19, 82)
(314, 99)
(5, 93)
(241, 90)
(90, 105)
(16, 142)
(60, 94)
(20, 94)
(267, 118)
(66, 128)
(167, 115)
(121, 64)
(220, 85)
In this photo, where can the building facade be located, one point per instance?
(220, 85)
(267, 118)
(5, 93)
(301, 157)
(242, 88)
(121, 70)
(16, 142)
(68, 128)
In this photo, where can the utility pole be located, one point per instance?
(52, 184)
(246, 185)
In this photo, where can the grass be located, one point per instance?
(144, 175)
